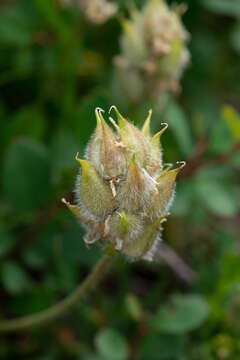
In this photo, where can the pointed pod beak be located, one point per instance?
(146, 130)
(121, 121)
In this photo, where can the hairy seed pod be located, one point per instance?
(153, 52)
(96, 11)
(123, 193)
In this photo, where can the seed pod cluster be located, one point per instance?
(123, 192)
(96, 11)
(153, 51)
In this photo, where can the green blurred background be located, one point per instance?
(55, 68)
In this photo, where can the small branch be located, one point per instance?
(224, 158)
(197, 161)
(63, 306)
(174, 261)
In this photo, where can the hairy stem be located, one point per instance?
(63, 306)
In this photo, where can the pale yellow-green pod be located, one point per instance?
(136, 190)
(154, 165)
(140, 246)
(134, 140)
(95, 194)
(166, 187)
(153, 46)
(146, 129)
(104, 152)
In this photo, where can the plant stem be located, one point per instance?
(173, 260)
(63, 306)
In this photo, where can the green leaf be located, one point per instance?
(54, 18)
(24, 64)
(64, 148)
(235, 37)
(26, 177)
(112, 345)
(134, 306)
(230, 274)
(183, 314)
(217, 197)
(26, 122)
(220, 139)
(46, 357)
(72, 249)
(36, 300)
(17, 24)
(34, 258)
(85, 120)
(180, 125)
(227, 286)
(14, 278)
(225, 7)
(156, 346)
(233, 120)
(6, 241)
(236, 158)
(92, 357)
(12, 31)
(182, 204)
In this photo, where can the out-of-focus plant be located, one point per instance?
(96, 11)
(153, 52)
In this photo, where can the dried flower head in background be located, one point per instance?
(96, 11)
(99, 11)
(123, 191)
(153, 51)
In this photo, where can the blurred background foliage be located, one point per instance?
(56, 66)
